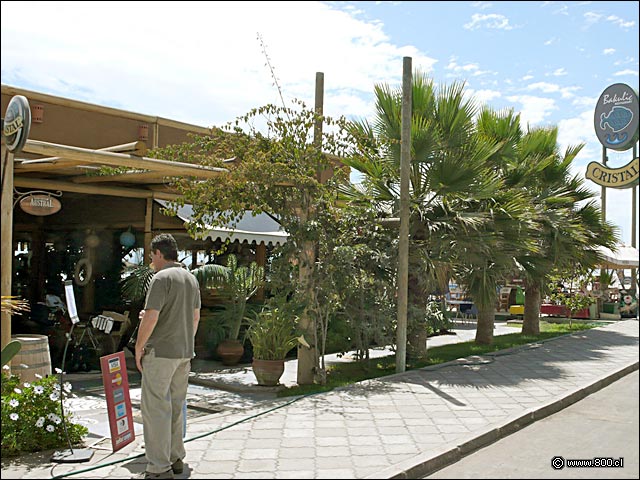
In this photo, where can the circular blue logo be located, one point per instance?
(616, 117)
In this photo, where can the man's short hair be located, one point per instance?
(167, 246)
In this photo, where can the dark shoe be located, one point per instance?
(167, 474)
(177, 466)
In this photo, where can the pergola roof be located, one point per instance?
(75, 169)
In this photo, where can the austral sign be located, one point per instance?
(40, 205)
(616, 117)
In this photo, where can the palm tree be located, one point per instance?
(448, 174)
(568, 225)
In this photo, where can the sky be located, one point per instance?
(206, 63)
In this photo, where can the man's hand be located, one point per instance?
(139, 355)
(148, 320)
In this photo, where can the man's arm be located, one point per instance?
(147, 324)
(196, 320)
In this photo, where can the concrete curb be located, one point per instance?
(426, 464)
(234, 387)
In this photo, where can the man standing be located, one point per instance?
(164, 349)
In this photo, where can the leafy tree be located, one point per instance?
(285, 172)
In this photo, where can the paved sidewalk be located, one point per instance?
(402, 426)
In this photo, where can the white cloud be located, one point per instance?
(609, 51)
(580, 129)
(467, 70)
(482, 5)
(484, 96)
(210, 62)
(626, 72)
(584, 102)
(490, 20)
(534, 110)
(563, 10)
(551, 41)
(559, 72)
(591, 18)
(565, 92)
(620, 22)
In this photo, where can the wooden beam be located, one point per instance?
(166, 167)
(48, 166)
(6, 251)
(124, 177)
(27, 182)
(138, 148)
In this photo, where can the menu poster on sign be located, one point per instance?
(116, 389)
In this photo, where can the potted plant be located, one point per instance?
(272, 333)
(235, 287)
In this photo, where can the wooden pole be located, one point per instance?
(261, 260)
(7, 238)
(603, 189)
(148, 233)
(308, 357)
(634, 224)
(403, 243)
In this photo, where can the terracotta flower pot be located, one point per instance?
(230, 351)
(268, 372)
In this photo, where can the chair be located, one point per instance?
(468, 311)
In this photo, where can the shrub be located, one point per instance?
(32, 415)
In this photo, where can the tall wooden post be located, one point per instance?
(634, 224)
(148, 234)
(308, 357)
(603, 189)
(7, 238)
(403, 242)
(261, 260)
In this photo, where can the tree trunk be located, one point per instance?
(307, 357)
(417, 343)
(416, 333)
(531, 319)
(484, 331)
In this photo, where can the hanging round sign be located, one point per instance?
(616, 117)
(40, 205)
(16, 123)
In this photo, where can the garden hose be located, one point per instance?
(510, 351)
(133, 457)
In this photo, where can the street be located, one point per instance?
(604, 424)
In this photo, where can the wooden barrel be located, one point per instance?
(33, 357)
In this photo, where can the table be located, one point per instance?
(462, 307)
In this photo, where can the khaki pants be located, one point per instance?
(164, 390)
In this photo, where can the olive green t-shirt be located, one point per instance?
(175, 293)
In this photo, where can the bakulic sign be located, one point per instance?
(616, 121)
(616, 117)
